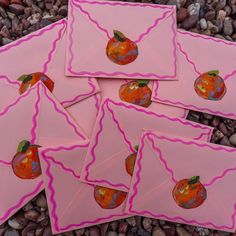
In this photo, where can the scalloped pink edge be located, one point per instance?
(52, 191)
(117, 73)
(177, 218)
(96, 136)
(22, 201)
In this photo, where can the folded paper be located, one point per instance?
(35, 119)
(113, 148)
(105, 41)
(207, 80)
(138, 92)
(42, 51)
(79, 206)
(171, 182)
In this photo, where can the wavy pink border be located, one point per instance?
(54, 46)
(98, 132)
(177, 218)
(22, 201)
(77, 98)
(52, 191)
(97, 102)
(117, 73)
(6, 79)
(62, 112)
(189, 106)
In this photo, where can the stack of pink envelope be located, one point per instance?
(93, 111)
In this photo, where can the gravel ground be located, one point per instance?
(210, 17)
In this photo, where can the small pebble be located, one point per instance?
(16, 9)
(190, 22)
(203, 24)
(131, 221)
(232, 139)
(228, 27)
(182, 232)
(157, 231)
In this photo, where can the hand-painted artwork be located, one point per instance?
(210, 86)
(26, 164)
(189, 193)
(136, 92)
(31, 79)
(108, 198)
(121, 50)
(130, 161)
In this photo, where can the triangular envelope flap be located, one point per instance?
(55, 179)
(194, 158)
(17, 123)
(9, 93)
(15, 192)
(71, 157)
(103, 12)
(107, 135)
(84, 210)
(134, 119)
(56, 69)
(55, 127)
(29, 53)
(196, 47)
(146, 197)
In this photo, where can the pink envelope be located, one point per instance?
(37, 117)
(147, 32)
(85, 113)
(76, 207)
(207, 79)
(42, 51)
(117, 131)
(110, 89)
(173, 196)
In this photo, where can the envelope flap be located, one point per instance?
(55, 126)
(125, 17)
(193, 48)
(220, 196)
(30, 52)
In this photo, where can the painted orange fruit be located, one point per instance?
(25, 163)
(108, 198)
(121, 50)
(189, 193)
(210, 86)
(30, 80)
(130, 162)
(136, 92)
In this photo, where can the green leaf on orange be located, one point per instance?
(213, 72)
(25, 78)
(23, 146)
(119, 36)
(143, 82)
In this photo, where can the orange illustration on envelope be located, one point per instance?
(113, 146)
(207, 76)
(81, 204)
(186, 181)
(115, 39)
(35, 119)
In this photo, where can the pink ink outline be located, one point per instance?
(54, 46)
(187, 106)
(177, 218)
(68, 119)
(35, 118)
(52, 193)
(97, 102)
(128, 106)
(30, 36)
(6, 163)
(117, 73)
(77, 98)
(15, 83)
(22, 201)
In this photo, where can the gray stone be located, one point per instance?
(123, 227)
(131, 221)
(221, 15)
(223, 128)
(194, 9)
(157, 231)
(80, 232)
(6, 41)
(147, 223)
(232, 139)
(11, 232)
(112, 233)
(210, 15)
(182, 232)
(228, 27)
(41, 201)
(182, 14)
(32, 215)
(63, 10)
(17, 222)
(190, 22)
(5, 32)
(3, 12)
(142, 232)
(203, 24)
(34, 18)
(16, 9)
